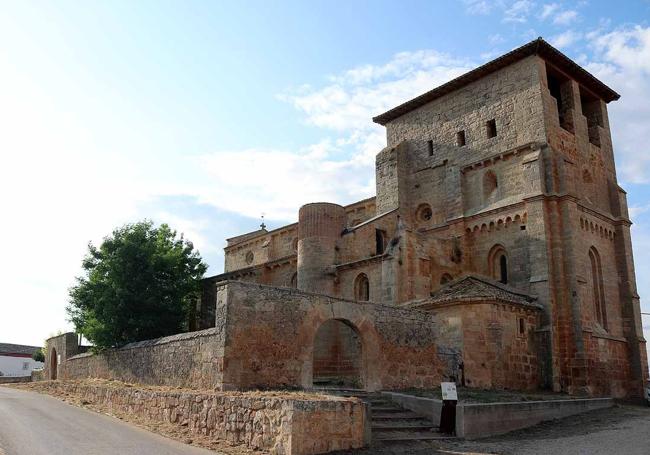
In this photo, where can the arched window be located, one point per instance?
(490, 183)
(362, 288)
(498, 263)
(446, 278)
(597, 287)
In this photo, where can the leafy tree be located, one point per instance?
(137, 285)
(39, 356)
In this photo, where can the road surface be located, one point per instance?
(35, 424)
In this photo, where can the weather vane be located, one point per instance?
(263, 226)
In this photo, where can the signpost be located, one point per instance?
(448, 413)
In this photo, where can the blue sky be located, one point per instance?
(207, 114)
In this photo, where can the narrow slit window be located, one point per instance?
(522, 326)
(460, 138)
(491, 128)
(380, 241)
(503, 269)
(430, 147)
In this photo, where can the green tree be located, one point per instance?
(39, 356)
(137, 285)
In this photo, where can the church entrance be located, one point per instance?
(54, 363)
(337, 360)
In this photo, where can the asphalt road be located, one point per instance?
(35, 424)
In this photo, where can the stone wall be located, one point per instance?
(186, 360)
(59, 348)
(287, 424)
(265, 337)
(14, 379)
(497, 343)
(271, 335)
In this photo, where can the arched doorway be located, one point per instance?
(337, 355)
(54, 363)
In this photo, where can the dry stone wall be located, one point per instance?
(283, 424)
(186, 360)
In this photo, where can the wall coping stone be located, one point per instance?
(157, 341)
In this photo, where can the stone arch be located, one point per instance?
(53, 364)
(362, 288)
(498, 263)
(337, 355)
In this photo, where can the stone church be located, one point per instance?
(496, 254)
(498, 213)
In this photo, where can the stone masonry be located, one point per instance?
(281, 424)
(507, 173)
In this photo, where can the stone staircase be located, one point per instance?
(390, 422)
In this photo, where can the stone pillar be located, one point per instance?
(320, 226)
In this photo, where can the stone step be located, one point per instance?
(404, 415)
(386, 409)
(403, 436)
(400, 426)
(397, 422)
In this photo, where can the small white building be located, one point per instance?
(16, 360)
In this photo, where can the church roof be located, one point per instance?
(472, 288)
(535, 47)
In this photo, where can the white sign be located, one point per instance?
(449, 391)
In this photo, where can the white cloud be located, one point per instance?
(565, 17)
(479, 6)
(565, 39)
(518, 11)
(637, 210)
(558, 15)
(622, 60)
(548, 10)
(356, 95)
(340, 168)
(496, 39)
(278, 182)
